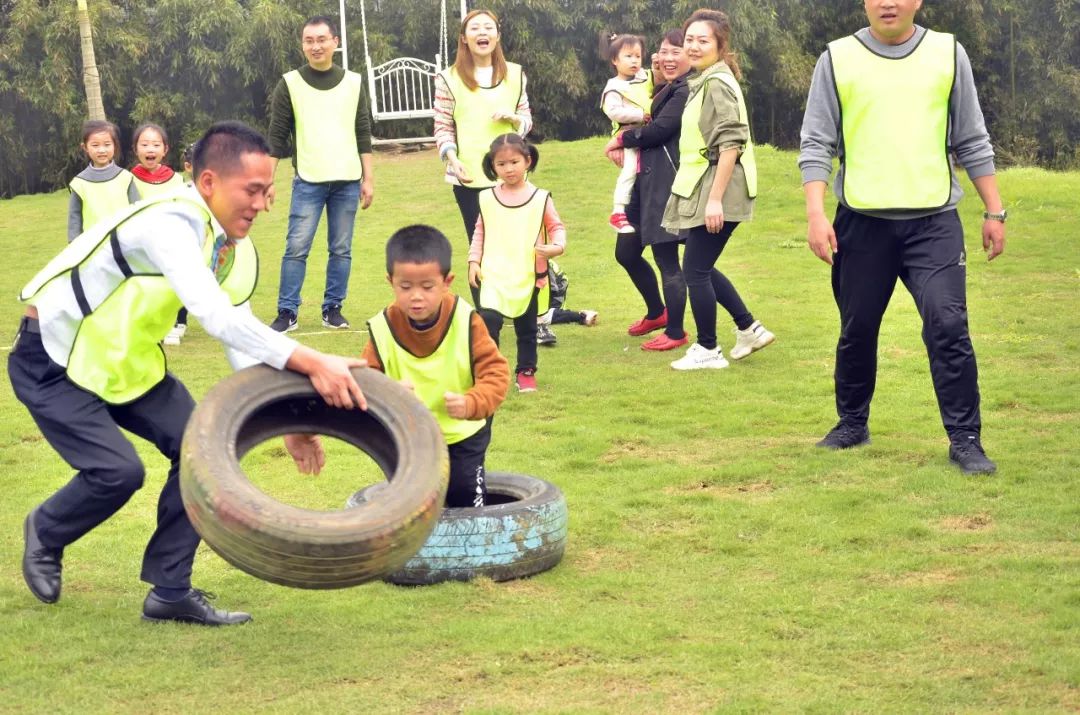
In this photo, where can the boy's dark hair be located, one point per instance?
(222, 146)
(321, 20)
(418, 244)
(93, 126)
(142, 128)
(514, 141)
(611, 44)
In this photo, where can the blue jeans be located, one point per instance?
(340, 199)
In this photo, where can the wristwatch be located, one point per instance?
(996, 217)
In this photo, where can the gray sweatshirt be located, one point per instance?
(967, 138)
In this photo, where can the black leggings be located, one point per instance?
(524, 330)
(628, 252)
(468, 201)
(708, 286)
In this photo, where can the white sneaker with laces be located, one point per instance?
(699, 358)
(589, 317)
(176, 334)
(750, 340)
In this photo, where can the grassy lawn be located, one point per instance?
(716, 560)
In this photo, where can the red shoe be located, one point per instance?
(620, 223)
(647, 325)
(663, 342)
(526, 380)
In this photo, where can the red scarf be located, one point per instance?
(158, 176)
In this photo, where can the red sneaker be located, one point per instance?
(647, 325)
(526, 380)
(620, 223)
(663, 342)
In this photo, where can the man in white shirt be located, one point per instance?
(86, 361)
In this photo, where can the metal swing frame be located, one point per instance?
(403, 87)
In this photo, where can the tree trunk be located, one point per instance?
(91, 78)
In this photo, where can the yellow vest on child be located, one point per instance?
(101, 199)
(447, 369)
(508, 266)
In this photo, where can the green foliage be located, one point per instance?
(186, 63)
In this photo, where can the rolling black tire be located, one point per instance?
(298, 547)
(521, 532)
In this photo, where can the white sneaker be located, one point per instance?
(175, 335)
(750, 340)
(589, 317)
(698, 358)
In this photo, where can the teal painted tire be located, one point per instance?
(521, 532)
(298, 547)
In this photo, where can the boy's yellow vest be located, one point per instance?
(325, 122)
(448, 369)
(508, 266)
(116, 353)
(148, 190)
(693, 152)
(473, 125)
(640, 95)
(101, 199)
(894, 123)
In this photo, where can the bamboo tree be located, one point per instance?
(91, 78)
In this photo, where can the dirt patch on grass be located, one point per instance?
(725, 491)
(933, 577)
(972, 522)
(622, 449)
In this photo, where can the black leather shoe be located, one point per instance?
(966, 452)
(845, 436)
(40, 565)
(193, 608)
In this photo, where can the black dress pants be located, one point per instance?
(85, 432)
(927, 255)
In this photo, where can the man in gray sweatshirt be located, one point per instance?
(894, 101)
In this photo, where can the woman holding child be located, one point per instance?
(658, 142)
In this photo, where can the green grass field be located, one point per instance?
(717, 561)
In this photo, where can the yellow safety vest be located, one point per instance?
(447, 369)
(907, 166)
(473, 125)
(693, 152)
(325, 122)
(116, 352)
(148, 190)
(640, 95)
(508, 266)
(101, 199)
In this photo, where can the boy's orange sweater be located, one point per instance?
(491, 372)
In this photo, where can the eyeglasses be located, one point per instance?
(310, 42)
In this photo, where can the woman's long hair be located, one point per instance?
(463, 62)
(720, 25)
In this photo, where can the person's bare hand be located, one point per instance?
(307, 451)
(474, 275)
(993, 238)
(821, 237)
(455, 405)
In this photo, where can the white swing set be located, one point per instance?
(403, 87)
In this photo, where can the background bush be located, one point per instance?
(185, 63)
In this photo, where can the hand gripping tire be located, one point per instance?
(521, 532)
(301, 547)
